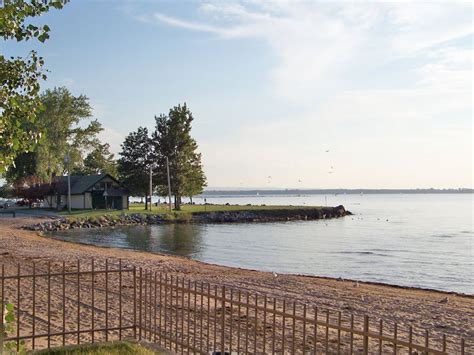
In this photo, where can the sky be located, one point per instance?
(285, 94)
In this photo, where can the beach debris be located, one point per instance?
(444, 300)
(356, 284)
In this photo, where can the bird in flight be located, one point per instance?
(327, 151)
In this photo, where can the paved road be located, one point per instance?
(35, 212)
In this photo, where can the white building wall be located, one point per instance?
(88, 200)
(77, 201)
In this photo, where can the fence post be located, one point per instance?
(140, 305)
(366, 334)
(2, 307)
(18, 311)
(135, 302)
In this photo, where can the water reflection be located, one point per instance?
(176, 239)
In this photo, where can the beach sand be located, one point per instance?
(407, 306)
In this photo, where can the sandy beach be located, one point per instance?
(440, 312)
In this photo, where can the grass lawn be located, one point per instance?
(113, 348)
(185, 209)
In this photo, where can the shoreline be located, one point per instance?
(420, 308)
(244, 215)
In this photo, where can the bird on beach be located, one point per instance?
(275, 274)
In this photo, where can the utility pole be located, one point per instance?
(151, 184)
(66, 160)
(169, 183)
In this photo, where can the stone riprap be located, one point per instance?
(240, 216)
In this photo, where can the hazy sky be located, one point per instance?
(384, 87)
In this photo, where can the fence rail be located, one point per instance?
(64, 304)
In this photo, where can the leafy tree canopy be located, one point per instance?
(135, 160)
(98, 161)
(172, 139)
(20, 76)
(62, 119)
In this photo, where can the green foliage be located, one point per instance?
(6, 191)
(7, 326)
(15, 13)
(136, 159)
(20, 76)
(172, 139)
(62, 119)
(98, 161)
(23, 167)
(112, 348)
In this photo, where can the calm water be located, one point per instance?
(412, 240)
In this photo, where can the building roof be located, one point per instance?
(79, 183)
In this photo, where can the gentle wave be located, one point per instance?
(362, 253)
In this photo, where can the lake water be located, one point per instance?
(404, 239)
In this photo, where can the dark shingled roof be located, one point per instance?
(79, 184)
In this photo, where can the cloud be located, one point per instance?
(387, 85)
(186, 24)
(319, 45)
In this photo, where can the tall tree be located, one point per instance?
(172, 139)
(20, 76)
(62, 118)
(98, 161)
(134, 164)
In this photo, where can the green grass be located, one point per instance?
(186, 210)
(113, 348)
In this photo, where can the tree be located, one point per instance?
(19, 92)
(62, 119)
(24, 166)
(172, 139)
(98, 161)
(196, 179)
(134, 165)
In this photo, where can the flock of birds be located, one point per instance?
(331, 171)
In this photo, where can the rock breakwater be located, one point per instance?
(238, 216)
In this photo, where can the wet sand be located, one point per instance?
(407, 306)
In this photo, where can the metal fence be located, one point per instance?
(60, 304)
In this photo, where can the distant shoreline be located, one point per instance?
(293, 192)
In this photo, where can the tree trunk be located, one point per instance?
(146, 202)
(177, 202)
(191, 199)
